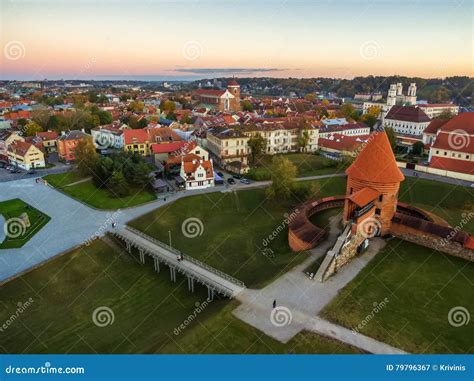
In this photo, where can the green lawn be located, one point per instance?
(17, 234)
(59, 180)
(234, 228)
(446, 200)
(59, 298)
(421, 286)
(101, 198)
(224, 333)
(307, 165)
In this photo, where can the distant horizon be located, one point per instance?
(159, 78)
(187, 40)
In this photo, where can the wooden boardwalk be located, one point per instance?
(215, 280)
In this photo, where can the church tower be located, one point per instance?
(411, 95)
(392, 95)
(234, 88)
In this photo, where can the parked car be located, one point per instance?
(230, 180)
(237, 176)
(244, 181)
(220, 174)
(31, 171)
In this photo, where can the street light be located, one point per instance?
(169, 233)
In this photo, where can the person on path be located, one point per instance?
(274, 303)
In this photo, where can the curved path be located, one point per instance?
(73, 223)
(2, 230)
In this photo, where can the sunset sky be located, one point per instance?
(200, 39)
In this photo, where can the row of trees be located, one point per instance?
(86, 119)
(119, 173)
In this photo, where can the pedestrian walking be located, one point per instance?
(274, 303)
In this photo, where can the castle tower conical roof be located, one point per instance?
(376, 162)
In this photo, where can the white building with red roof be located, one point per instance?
(196, 172)
(453, 147)
(221, 100)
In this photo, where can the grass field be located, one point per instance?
(17, 234)
(59, 180)
(234, 228)
(101, 198)
(58, 301)
(421, 287)
(446, 200)
(306, 164)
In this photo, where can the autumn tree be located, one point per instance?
(303, 140)
(257, 145)
(247, 106)
(86, 157)
(32, 128)
(392, 137)
(283, 178)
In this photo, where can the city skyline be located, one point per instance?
(188, 40)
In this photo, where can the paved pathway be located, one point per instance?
(73, 222)
(305, 298)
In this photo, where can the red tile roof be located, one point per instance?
(343, 142)
(47, 135)
(19, 147)
(167, 147)
(451, 164)
(376, 162)
(139, 136)
(463, 121)
(233, 83)
(210, 92)
(434, 126)
(458, 141)
(364, 196)
(407, 114)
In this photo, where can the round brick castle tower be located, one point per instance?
(372, 184)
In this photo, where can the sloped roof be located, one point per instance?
(435, 125)
(407, 114)
(376, 162)
(463, 122)
(364, 196)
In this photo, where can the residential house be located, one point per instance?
(25, 155)
(229, 147)
(137, 141)
(196, 172)
(48, 140)
(66, 144)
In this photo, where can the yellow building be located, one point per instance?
(25, 155)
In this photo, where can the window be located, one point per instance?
(381, 198)
(377, 212)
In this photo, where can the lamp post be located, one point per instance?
(169, 233)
